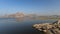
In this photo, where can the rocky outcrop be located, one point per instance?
(48, 28)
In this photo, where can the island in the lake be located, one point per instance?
(31, 16)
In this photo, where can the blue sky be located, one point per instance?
(41, 7)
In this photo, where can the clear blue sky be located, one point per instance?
(41, 7)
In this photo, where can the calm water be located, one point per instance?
(11, 26)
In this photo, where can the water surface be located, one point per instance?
(11, 26)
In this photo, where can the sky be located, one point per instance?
(40, 7)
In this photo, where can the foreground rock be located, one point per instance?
(48, 28)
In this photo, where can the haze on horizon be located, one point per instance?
(41, 7)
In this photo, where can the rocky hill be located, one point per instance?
(48, 28)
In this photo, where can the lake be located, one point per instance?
(11, 26)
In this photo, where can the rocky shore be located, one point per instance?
(48, 28)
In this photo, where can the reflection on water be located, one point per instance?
(20, 19)
(24, 18)
(11, 26)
